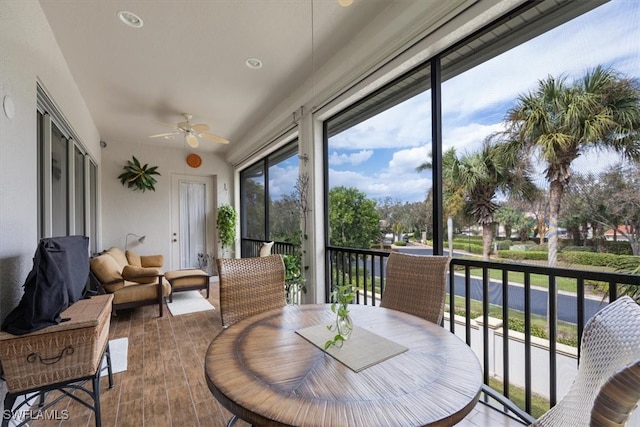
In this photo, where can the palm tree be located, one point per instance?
(453, 198)
(559, 122)
(482, 176)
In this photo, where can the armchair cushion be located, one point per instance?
(133, 258)
(119, 256)
(107, 270)
(140, 274)
(152, 261)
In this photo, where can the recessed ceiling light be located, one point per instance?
(253, 63)
(345, 3)
(130, 19)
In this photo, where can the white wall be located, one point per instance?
(28, 53)
(127, 211)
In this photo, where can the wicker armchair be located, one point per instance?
(607, 386)
(416, 285)
(250, 286)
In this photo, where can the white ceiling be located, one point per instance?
(189, 57)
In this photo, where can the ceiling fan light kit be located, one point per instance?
(191, 132)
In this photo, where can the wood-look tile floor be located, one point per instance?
(164, 383)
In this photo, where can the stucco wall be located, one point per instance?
(127, 211)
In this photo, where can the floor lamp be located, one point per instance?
(126, 240)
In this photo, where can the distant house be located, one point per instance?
(619, 235)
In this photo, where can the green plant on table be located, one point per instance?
(341, 297)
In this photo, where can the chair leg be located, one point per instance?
(7, 414)
(96, 397)
(232, 421)
(107, 354)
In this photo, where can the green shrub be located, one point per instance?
(399, 243)
(474, 248)
(504, 245)
(578, 249)
(618, 247)
(523, 255)
(598, 259)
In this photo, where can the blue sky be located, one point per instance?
(379, 156)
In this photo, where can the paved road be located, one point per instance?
(567, 310)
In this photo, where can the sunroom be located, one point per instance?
(409, 81)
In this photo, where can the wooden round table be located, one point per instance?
(261, 370)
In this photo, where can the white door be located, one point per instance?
(192, 221)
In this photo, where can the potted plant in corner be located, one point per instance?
(226, 225)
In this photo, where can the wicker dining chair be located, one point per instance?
(416, 284)
(607, 386)
(250, 286)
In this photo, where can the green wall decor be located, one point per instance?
(138, 177)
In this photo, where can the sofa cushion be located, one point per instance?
(107, 271)
(134, 292)
(119, 256)
(152, 261)
(133, 258)
(140, 274)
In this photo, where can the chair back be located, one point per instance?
(617, 398)
(609, 351)
(249, 286)
(416, 284)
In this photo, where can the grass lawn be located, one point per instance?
(567, 332)
(539, 405)
(562, 283)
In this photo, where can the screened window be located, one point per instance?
(268, 208)
(384, 146)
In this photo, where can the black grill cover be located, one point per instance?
(57, 280)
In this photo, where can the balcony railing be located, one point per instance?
(512, 299)
(251, 248)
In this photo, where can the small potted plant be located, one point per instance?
(341, 297)
(226, 225)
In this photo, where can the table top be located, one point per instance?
(261, 370)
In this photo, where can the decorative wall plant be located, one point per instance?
(138, 177)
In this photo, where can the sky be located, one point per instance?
(379, 156)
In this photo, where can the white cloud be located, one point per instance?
(408, 160)
(468, 137)
(282, 181)
(352, 158)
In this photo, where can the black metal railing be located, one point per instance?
(251, 248)
(470, 283)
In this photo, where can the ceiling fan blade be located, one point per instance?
(214, 138)
(162, 134)
(167, 125)
(200, 127)
(191, 140)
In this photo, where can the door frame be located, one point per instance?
(211, 201)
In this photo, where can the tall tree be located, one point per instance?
(482, 176)
(353, 219)
(453, 197)
(559, 121)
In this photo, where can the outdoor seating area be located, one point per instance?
(320, 213)
(192, 369)
(138, 280)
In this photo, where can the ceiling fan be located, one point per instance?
(191, 132)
